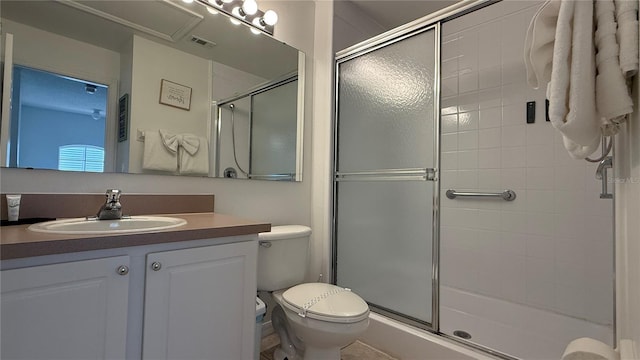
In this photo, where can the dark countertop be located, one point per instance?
(18, 242)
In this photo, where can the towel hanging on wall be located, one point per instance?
(627, 36)
(193, 152)
(582, 106)
(194, 160)
(157, 155)
(612, 94)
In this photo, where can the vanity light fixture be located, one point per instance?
(269, 18)
(249, 7)
(236, 14)
(244, 11)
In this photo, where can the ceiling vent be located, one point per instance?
(202, 42)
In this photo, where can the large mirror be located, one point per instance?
(154, 86)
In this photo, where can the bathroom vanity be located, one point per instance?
(186, 292)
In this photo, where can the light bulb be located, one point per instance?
(212, 11)
(96, 114)
(227, 1)
(187, 1)
(250, 7)
(235, 12)
(216, 3)
(270, 17)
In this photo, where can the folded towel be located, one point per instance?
(156, 155)
(627, 35)
(571, 91)
(538, 49)
(612, 95)
(194, 155)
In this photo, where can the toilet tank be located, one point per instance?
(282, 257)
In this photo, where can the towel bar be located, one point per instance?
(507, 195)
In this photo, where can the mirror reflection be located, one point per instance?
(148, 87)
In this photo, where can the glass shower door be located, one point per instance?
(385, 160)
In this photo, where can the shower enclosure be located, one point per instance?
(256, 132)
(517, 260)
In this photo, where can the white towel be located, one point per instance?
(612, 95)
(538, 49)
(156, 155)
(627, 35)
(194, 159)
(193, 152)
(571, 91)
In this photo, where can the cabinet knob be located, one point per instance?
(122, 270)
(156, 266)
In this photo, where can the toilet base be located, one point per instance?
(279, 354)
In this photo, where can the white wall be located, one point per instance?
(126, 68)
(277, 202)
(153, 62)
(43, 50)
(539, 249)
(351, 25)
(552, 248)
(322, 182)
(627, 185)
(228, 81)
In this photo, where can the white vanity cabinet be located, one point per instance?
(71, 310)
(200, 303)
(176, 300)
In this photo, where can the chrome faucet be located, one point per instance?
(112, 209)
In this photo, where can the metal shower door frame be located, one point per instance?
(429, 22)
(419, 174)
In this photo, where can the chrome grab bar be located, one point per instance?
(507, 195)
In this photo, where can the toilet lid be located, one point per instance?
(326, 302)
(285, 232)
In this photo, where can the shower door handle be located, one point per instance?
(432, 174)
(419, 174)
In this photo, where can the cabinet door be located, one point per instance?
(75, 310)
(200, 303)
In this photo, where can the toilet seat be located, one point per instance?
(325, 302)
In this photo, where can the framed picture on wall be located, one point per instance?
(174, 94)
(123, 118)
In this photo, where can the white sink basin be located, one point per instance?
(80, 226)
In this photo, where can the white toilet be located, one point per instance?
(313, 320)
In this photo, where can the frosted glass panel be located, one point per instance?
(385, 107)
(384, 244)
(274, 130)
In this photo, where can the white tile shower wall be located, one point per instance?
(551, 248)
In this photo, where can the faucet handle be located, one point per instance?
(113, 195)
